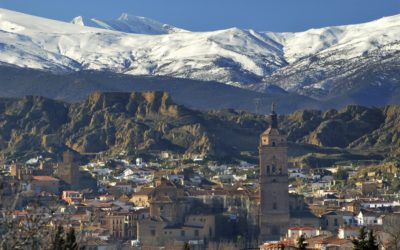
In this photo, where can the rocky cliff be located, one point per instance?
(111, 123)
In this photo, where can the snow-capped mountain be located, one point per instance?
(317, 62)
(129, 24)
(231, 56)
(323, 61)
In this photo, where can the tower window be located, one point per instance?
(273, 144)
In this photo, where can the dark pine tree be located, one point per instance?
(371, 242)
(301, 243)
(360, 243)
(58, 240)
(70, 242)
(186, 246)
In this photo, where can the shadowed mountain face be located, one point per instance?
(111, 123)
(75, 87)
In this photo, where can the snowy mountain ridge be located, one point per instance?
(309, 62)
(129, 24)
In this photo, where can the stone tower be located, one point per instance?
(68, 172)
(274, 194)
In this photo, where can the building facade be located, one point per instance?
(274, 194)
(171, 221)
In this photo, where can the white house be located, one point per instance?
(366, 218)
(348, 232)
(307, 232)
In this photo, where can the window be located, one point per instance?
(183, 233)
(335, 222)
(273, 144)
(268, 169)
(196, 233)
(161, 208)
(153, 232)
(274, 206)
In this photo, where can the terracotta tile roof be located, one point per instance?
(20, 213)
(44, 178)
(277, 244)
(166, 184)
(323, 239)
(144, 191)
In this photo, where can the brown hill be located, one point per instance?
(110, 123)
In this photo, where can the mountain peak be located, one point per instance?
(129, 24)
(123, 17)
(78, 21)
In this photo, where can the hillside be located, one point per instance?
(136, 122)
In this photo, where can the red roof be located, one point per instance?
(44, 178)
(144, 191)
(276, 244)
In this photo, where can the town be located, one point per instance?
(173, 201)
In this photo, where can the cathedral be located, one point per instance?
(274, 194)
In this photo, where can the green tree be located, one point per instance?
(186, 246)
(58, 240)
(371, 242)
(341, 174)
(360, 243)
(301, 243)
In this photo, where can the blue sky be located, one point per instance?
(201, 15)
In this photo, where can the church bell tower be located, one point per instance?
(274, 194)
